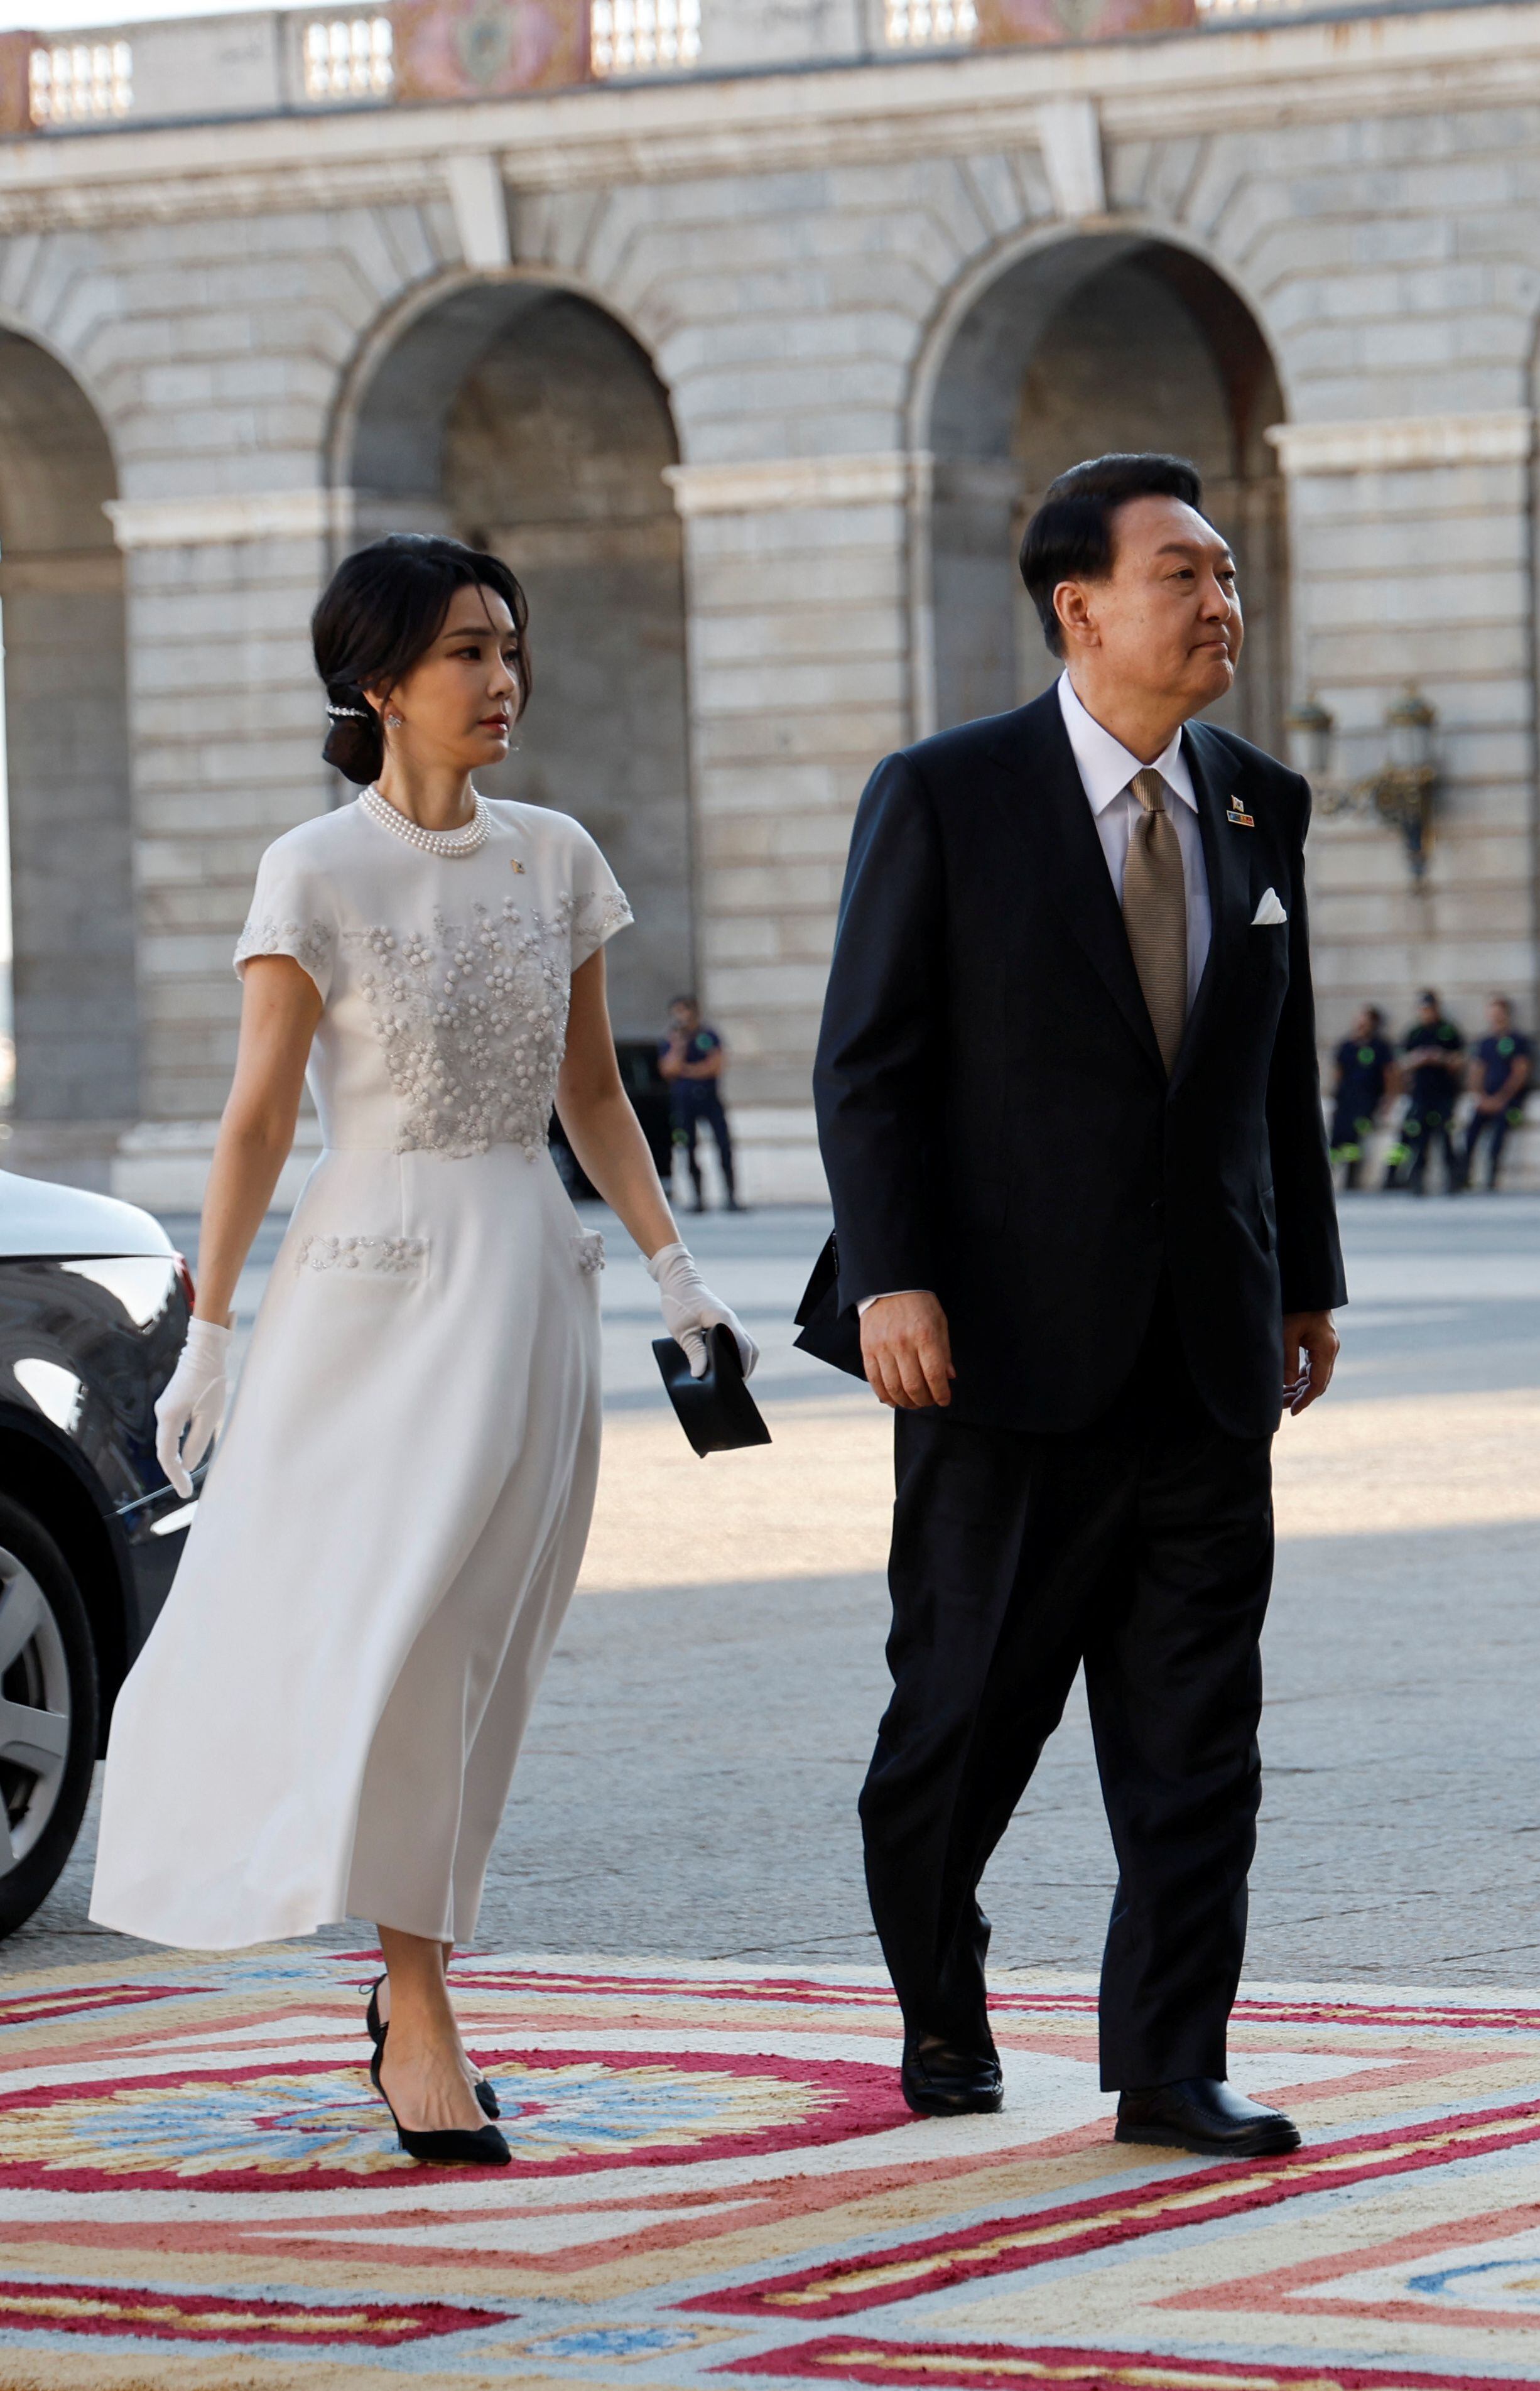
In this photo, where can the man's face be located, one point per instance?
(1167, 618)
(1499, 1017)
(1364, 1026)
(683, 1020)
(1428, 1012)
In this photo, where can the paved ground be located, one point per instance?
(689, 1784)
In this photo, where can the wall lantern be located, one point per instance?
(1400, 794)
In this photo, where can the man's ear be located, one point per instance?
(1076, 620)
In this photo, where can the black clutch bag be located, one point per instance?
(829, 1334)
(717, 1411)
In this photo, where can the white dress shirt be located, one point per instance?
(1106, 770)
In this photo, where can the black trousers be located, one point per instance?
(1423, 1128)
(1142, 1546)
(1493, 1128)
(1350, 1132)
(690, 1113)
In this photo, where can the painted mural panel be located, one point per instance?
(1080, 21)
(486, 49)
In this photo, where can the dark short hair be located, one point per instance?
(1069, 538)
(693, 1001)
(1430, 996)
(382, 611)
(1505, 1002)
(1373, 1012)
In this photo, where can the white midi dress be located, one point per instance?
(324, 1721)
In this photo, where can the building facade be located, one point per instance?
(748, 334)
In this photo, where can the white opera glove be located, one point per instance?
(192, 1402)
(689, 1308)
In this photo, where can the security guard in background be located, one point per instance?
(691, 1059)
(1366, 1068)
(1501, 1069)
(1433, 1061)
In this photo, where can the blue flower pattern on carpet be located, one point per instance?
(283, 2121)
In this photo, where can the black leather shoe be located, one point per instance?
(1202, 2114)
(442, 2147)
(377, 2028)
(939, 2081)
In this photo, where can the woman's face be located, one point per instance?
(458, 704)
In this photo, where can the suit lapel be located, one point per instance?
(1054, 802)
(1228, 860)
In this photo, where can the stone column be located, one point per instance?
(77, 1032)
(227, 721)
(797, 577)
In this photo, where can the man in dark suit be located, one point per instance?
(1087, 1363)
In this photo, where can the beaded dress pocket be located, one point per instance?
(365, 1257)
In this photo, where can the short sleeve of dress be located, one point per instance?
(291, 914)
(598, 905)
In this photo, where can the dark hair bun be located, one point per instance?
(382, 611)
(356, 742)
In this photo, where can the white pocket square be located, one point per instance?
(1268, 912)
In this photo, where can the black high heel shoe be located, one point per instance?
(453, 2148)
(486, 2099)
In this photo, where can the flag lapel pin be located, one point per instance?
(1238, 815)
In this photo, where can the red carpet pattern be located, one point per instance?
(715, 2179)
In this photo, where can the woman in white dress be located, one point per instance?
(325, 1720)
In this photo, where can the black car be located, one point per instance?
(94, 1305)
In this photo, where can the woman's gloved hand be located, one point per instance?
(192, 1402)
(689, 1308)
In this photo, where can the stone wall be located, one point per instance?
(293, 330)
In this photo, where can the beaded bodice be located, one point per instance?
(471, 1019)
(445, 978)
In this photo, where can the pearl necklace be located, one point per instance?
(432, 842)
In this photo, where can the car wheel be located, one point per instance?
(48, 1713)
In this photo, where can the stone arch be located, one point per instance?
(521, 415)
(1078, 345)
(61, 584)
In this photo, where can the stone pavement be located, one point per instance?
(689, 1784)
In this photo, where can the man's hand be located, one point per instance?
(907, 1350)
(1310, 1355)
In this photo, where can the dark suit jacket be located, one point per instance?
(994, 1117)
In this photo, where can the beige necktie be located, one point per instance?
(1155, 914)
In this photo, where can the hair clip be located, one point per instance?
(348, 714)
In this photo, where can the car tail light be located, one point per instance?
(184, 1274)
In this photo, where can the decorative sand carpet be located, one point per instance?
(714, 2182)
